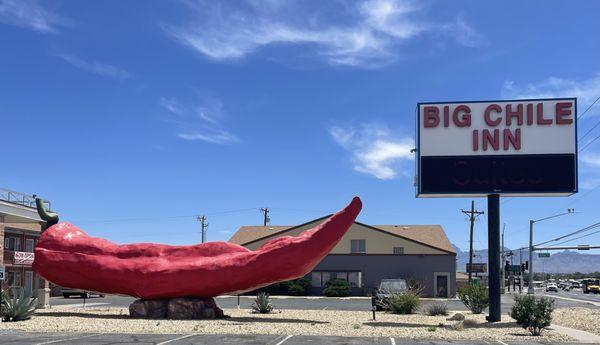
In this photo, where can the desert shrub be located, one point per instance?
(262, 304)
(437, 309)
(402, 303)
(297, 287)
(474, 297)
(457, 317)
(415, 286)
(18, 306)
(533, 314)
(337, 288)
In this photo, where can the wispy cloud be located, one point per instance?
(363, 33)
(586, 90)
(201, 122)
(31, 15)
(96, 67)
(374, 150)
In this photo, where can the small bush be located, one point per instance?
(262, 304)
(18, 306)
(457, 326)
(337, 288)
(457, 317)
(436, 309)
(297, 287)
(533, 314)
(402, 303)
(474, 297)
(431, 328)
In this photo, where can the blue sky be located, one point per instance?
(133, 117)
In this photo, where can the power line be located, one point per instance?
(576, 238)
(587, 228)
(588, 108)
(591, 142)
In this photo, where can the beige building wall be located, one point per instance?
(377, 242)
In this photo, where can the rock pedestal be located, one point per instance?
(187, 308)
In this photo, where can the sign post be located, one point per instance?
(497, 148)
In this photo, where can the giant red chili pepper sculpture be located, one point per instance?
(67, 256)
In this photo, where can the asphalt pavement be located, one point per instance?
(22, 338)
(575, 299)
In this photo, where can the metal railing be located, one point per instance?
(20, 198)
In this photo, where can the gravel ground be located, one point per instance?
(285, 322)
(584, 319)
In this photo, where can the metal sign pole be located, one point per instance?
(494, 256)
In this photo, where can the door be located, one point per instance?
(442, 286)
(28, 282)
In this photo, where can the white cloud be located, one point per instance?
(363, 33)
(95, 67)
(586, 90)
(591, 159)
(374, 150)
(201, 122)
(214, 136)
(31, 15)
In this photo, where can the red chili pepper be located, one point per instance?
(67, 256)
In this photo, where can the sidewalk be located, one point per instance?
(580, 336)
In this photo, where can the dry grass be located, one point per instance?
(296, 322)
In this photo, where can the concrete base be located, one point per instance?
(43, 296)
(189, 308)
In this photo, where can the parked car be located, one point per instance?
(575, 285)
(387, 287)
(68, 292)
(551, 287)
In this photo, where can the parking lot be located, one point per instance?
(20, 338)
(574, 299)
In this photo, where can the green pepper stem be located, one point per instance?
(51, 218)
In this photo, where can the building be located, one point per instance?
(20, 228)
(369, 253)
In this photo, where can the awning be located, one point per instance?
(15, 213)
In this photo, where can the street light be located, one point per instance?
(530, 289)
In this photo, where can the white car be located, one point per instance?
(551, 287)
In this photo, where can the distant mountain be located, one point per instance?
(558, 262)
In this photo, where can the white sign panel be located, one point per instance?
(24, 258)
(511, 147)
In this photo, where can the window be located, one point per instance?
(320, 278)
(29, 244)
(354, 279)
(12, 243)
(14, 278)
(398, 250)
(358, 246)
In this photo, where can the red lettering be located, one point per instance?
(476, 140)
(509, 138)
(463, 120)
(488, 140)
(431, 116)
(518, 114)
(540, 116)
(563, 109)
(486, 115)
(529, 114)
(446, 116)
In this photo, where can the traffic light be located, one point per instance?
(527, 265)
(523, 267)
(506, 266)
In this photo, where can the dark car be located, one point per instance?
(387, 287)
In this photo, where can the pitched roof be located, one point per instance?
(432, 235)
(429, 235)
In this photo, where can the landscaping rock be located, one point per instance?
(176, 308)
(193, 308)
(149, 308)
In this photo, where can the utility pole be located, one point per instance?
(204, 224)
(471, 214)
(266, 218)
